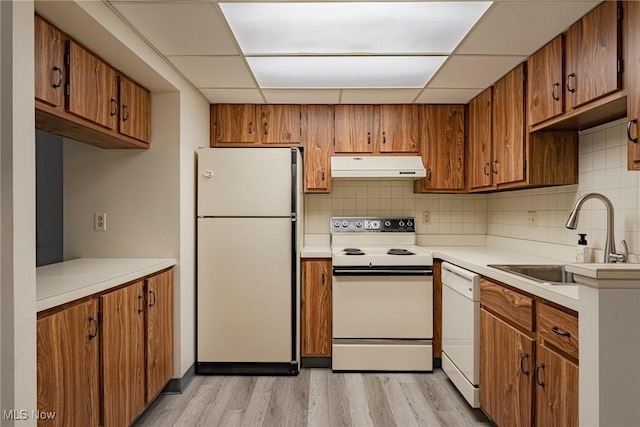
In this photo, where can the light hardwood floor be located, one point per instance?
(316, 397)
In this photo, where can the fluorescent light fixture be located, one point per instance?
(336, 28)
(339, 72)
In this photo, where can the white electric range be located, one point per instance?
(382, 296)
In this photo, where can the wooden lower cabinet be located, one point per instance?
(123, 364)
(68, 369)
(506, 364)
(556, 390)
(159, 366)
(316, 308)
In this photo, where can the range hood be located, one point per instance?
(377, 167)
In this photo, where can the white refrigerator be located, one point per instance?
(249, 234)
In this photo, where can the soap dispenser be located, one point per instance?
(582, 251)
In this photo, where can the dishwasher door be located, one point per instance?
(461, 329)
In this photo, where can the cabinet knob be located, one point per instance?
(486, 168)
(540, 383)
(557, 331)
(630, 123)
(93, 322)
(522, 359)
(152, 298)
(368, 137)
(322, 174)
(141, 303)
(569, 77)
(323, 277)
(114, 107)
(266, 130)
(250, 128)
(428, 174)
(384, 137)
(58, 71)
(553, 91)
(125, 113)
(494, 168)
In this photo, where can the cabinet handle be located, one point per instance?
(368, 137)
(114, 107)
(125, 113)
(553, 91)
(384, 137)
(141, 303)
(428, 174)
(94, 323)
(557, 331)
(323, 277)
(629, 124)
(250, 128)
(59, 82)
(152, 298)
(322, 174)
(486, 168)
(266, 131)
(540, 383)
(495, 168)
(569, 77)
(524, 356)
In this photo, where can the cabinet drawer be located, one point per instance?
(558, 328)
(512, 305)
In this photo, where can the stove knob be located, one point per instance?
(409, 224)
(358, 224)
(336, 224)
(401, 223)
(387, 223)
(345, 223)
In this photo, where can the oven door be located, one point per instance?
(387, 306)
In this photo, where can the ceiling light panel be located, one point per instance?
(351, 28)
(323, 72)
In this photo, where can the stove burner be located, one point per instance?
(398, 251)
(355, 253)
(352, 250)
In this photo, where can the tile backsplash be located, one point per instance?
(602, 168)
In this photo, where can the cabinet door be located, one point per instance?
(506, 372)
(316, 308)
(159, 332)
(544, 86)
(135, 110)
(280, 124)
(509, 127)
(480, 140)
(68, 374)
(354, 132)
(556, 391)
(236, 123)
(317, 149)
(123, 355)
(93, 88)
(592, 55)
(632, 65)
(49, 63)
(443, 147)
(399, 128)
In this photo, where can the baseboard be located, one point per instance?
(179, 385)
(437, 362)
(247, 368)
(315, 362)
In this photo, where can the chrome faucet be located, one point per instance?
(610, 254)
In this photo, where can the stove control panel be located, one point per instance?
(372, 225)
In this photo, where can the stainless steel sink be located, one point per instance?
(550, 274)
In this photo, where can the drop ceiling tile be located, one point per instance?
(214, 71)
(475, 72)
(447, 96)
(233, 96)
(378, 96)
(302, 96)
(181, 29)
(522, 27)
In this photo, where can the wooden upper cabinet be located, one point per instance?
(93, 88)
(593, 52)
(354, 129)
(68, 375)
(280, 124)
(545, 93)
(159, 332)
(443, 148)
(135, 110)
(480, 140)
(318, 139)
(316, 308)
(50, 70)
(235, 123)
(509, 127)
(123, 358)
(399, 128)
(632, 65)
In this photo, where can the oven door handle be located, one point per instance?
(382, 272)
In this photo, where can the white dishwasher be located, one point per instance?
(461, 330)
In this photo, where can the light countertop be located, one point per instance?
(60, 283)
(316, 251)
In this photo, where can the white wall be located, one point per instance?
(17, 210)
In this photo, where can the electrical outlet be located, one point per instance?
(100, 221)
(426, 217)
(532, 218)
